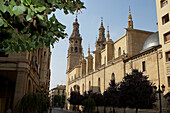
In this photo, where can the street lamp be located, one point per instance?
(160, 91)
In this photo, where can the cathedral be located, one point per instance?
(136, 49)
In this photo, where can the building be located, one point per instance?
(163, 15)
(59, 90)
(21, 74)
(136, 49)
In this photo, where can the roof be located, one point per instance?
(151, 41)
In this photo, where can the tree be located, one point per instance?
(57, 100)
(137, 91)
(89, 105)
(111, 95)
(98, 98)
(75, 98)
(33, 103)
(25, 26)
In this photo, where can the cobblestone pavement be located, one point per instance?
(58, 110)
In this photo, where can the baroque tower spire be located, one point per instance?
(130, 21)
(75, 32)
(100, 41)
(108, 35)
(75, 48)
(89, 50)
(102, 31)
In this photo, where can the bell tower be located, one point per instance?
(75, 48)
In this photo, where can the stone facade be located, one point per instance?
(21, 74)
(113, 60)
(59, 90)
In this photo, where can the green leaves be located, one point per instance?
(1, 22)
(27, 26)
(26, 2)
(40, 9)
(19, 9)
(29, 16)
(10, 8)
(40, 16)
(3, 8)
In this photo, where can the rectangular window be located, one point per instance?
(165, 18)
(168, 56)
(168, 81)
(167, 36)
(143, 66)
(163, 3)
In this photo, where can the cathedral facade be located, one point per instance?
(136, 49)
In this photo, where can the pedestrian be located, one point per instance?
(114, 111)
(50, 109)
(110, 110)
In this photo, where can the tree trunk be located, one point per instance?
(113, 110)
(97, 109)
(124, 110)
(136, 110)
(104, 109)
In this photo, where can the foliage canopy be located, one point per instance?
(136, 91)
(24, 24)
(33, 103)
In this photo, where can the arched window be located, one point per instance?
(99, 84)
(82, 88)
(74, 87)
(113, 76)
(71, 49)
(78, 89)
(119, 51)
(80, 50)
(75, 76)
(71, 89)
(76, 49)
(89, 85)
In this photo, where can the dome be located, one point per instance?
(151, 41)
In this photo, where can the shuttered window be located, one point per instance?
(168, 56)
(165, 18)
(168, 81)
(167, 36)
(163, 3)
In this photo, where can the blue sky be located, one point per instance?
(114, 13)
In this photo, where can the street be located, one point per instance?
(58, 110)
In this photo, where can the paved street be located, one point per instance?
(58, 110)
